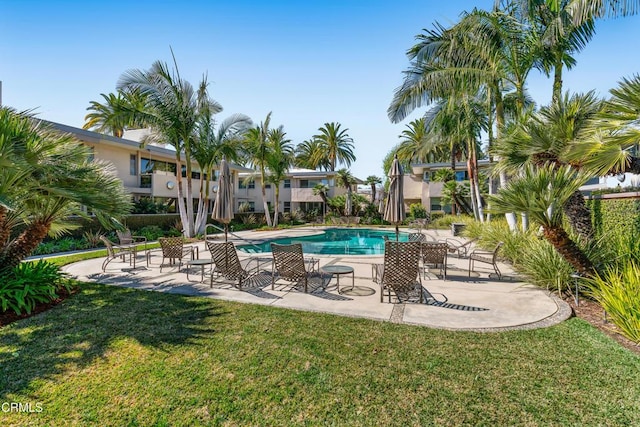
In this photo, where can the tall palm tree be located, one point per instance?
(347, 180)
(541, 192)
(50, 178)
(309, 155)
(172, 111)
(281, 158)
(485, 50)
(258, 152)
(211, 143)
(335, 144)
(419, 144)
(120, 111)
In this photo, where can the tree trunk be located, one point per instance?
(557, 79)
(189, 201)
(579, 215)
(275, 208)
(510, 216)
(5, 231)
(180, 199)
(26, 243)
(568, 249)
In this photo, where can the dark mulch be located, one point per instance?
(10, 316)
(587, 310)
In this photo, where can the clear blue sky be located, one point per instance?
(309, 62)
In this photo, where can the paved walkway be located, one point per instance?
(480, 302)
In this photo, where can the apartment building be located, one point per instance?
(420, 187)
(145, 172)
(296, 191)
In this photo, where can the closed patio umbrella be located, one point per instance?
(222, 207)
(394, 208)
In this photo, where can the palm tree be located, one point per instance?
(281, 157)
(609, 150)
(211, 143)
(309, 155)
(119, 112)
(485, 50)
(322, 190)
(420, 144)
(346, 180)
(335, 144)
(541, 192)
(172, 111)
(258, 151)
(373, 181)
(546, 138)
(50, 178)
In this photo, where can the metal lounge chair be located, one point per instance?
(461, 248)
(228, 265)
(434, 253)
(487, 258)
(116, 251)
(289, 264)
(400, 273)
(126, 238)
(173, 249)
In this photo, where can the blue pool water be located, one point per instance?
(335, 241)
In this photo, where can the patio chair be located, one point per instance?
(400, 272)
(487, 258)
(417, 237)
(126, 238)
(461, 248)
(435, 254)
(173, 249)
(116, 251)
(289, 264)
(228, 265)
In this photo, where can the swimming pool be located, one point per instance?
(335, 241)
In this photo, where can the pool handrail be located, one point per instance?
(206, 236)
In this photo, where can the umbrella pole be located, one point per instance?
(397, 232)
(226, 227)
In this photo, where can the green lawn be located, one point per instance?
(114, 356)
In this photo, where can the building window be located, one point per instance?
(195, 175)
(287, 207)
(287, 183)
(242, 184)
(133, 164)
(268, 185)
(92, 154)
(461, 175)
(311, 183)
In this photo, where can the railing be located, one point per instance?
(206, 236)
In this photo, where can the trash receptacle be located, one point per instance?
(457, 227)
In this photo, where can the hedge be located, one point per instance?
(615, 215)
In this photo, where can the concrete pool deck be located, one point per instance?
(478, 303)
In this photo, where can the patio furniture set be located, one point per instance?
(405, 263)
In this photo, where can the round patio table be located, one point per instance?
(338, 270)
(201, 263)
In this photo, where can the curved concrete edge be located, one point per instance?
(563, 313)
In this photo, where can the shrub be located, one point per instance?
(416, 210)
(444, 221)
(544, 266)
(617, 291)
(31, 283)
(151, 232)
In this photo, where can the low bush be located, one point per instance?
(31, 283)
(151, 232)
(445, 221)
(617, 290)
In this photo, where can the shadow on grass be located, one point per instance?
(85, 327)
